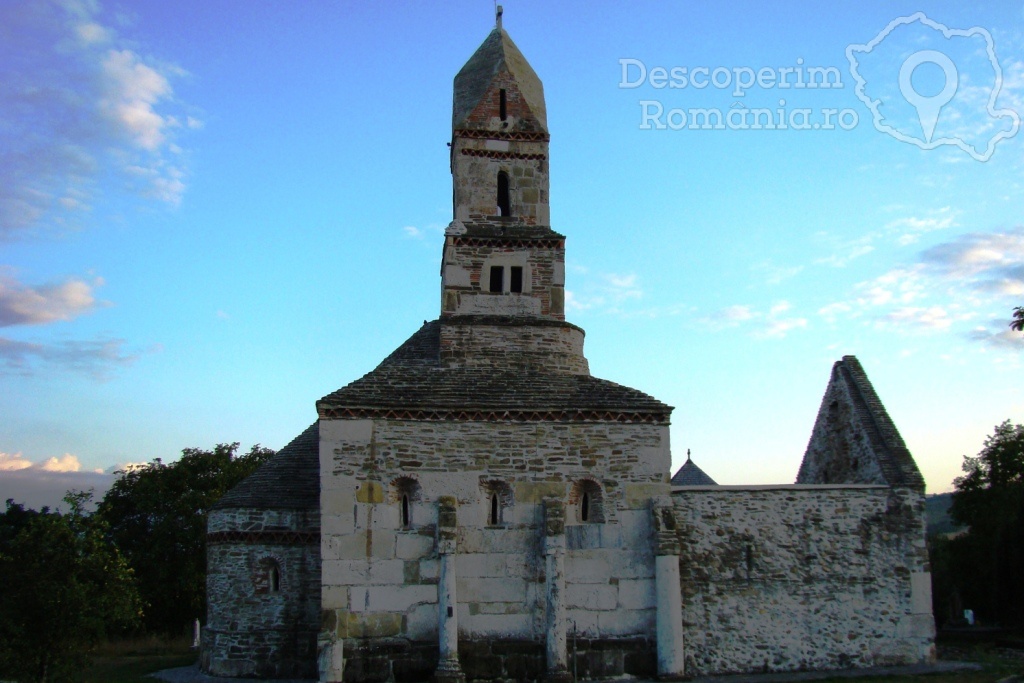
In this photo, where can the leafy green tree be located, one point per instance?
(65, 588)
(157, 518)
(1018, 319)
(988, 561)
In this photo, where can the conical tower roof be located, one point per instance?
(691, 475)
(498, 54)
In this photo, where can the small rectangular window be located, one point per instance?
(497, 278)
(502, 105)
(516, 277)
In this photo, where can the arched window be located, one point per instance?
(404, 493)
(266, 575)
(495, 516)
(496, 501)
(587, 496)
(504, 202)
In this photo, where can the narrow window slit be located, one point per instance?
(497, 278)
(495, 510)
(502, 105)
(504, 202)
(585, 507)
(275, 580)
(516, 279)
(405, 509)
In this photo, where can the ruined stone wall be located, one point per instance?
(263, 583)
(803, 577)
(380, 575)
(467, 263)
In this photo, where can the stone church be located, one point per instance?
(479, 507)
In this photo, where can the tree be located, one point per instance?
(1018, 319)
(989, 499)
(66, 587)
(157, 517)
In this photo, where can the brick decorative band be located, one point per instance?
(264, 537)
(493, 154)
(501, 135)
(507, 242)
(495, 415)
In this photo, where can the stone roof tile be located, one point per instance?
(289, 480)
(413, 378)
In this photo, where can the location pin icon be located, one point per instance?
(928, 108)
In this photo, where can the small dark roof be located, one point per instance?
(495, 54)
(691, 475)
(413, 378)
(289, 480)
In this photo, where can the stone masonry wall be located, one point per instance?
(253, 629)
(380, 576)
(803, 577)
(548, 348)
(467, 264)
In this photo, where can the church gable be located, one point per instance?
(854, 441)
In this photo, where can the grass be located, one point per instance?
(128, 661)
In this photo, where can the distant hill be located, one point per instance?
(936, 510)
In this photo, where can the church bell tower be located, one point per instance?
(501, 256)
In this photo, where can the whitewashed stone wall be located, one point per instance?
(380, 578)
(803, 577)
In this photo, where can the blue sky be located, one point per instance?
(212, 214)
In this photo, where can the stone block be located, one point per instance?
(536, 491)
(374, 625)
(343, 572)
(421, 621)
(471, 589)
(482, 565)
(590, 566)
(399, 598)
(505, 625)
(337, 525)
(334, 597)
(388, 572)
(636, 594)
(623, 622)
(410, 546)
(351, 546)
(591, 596)
(381, 544)
(638, 496)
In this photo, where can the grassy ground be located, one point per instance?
(129, 661)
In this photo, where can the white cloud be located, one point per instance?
(912, 228)
(412, 231)
(15, 463)
(78, 106)
(932, 317)
(779, 328)
(770, 325)
(1000, 337)
(97, 358)
(22, 305)
(11, 462)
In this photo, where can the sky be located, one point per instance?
(214, 213)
